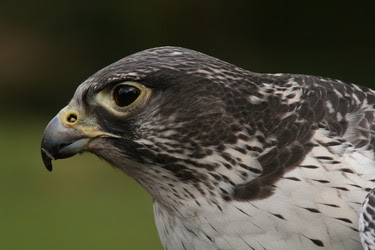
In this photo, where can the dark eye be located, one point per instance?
(125, 95)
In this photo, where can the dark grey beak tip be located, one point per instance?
(46, 160)
(60, 142)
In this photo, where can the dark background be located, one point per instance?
(48, 48)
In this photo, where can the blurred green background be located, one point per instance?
(47, 48)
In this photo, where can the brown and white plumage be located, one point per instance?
(367, 221)
(233, 159)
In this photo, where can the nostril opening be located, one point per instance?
(72, 118)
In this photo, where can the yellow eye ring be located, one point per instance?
(124, 98)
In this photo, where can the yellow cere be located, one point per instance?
(69, 117)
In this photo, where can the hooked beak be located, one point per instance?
(60, 142)
(67, 134)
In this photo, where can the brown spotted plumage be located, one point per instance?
(233, 159)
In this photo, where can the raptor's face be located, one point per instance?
(79, 126)
(154, 107)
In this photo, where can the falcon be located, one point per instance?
(233, 159)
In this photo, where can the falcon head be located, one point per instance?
(202, 136)
(164, 116)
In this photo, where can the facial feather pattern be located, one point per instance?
(233, 159)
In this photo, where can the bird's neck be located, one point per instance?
(207, 221)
